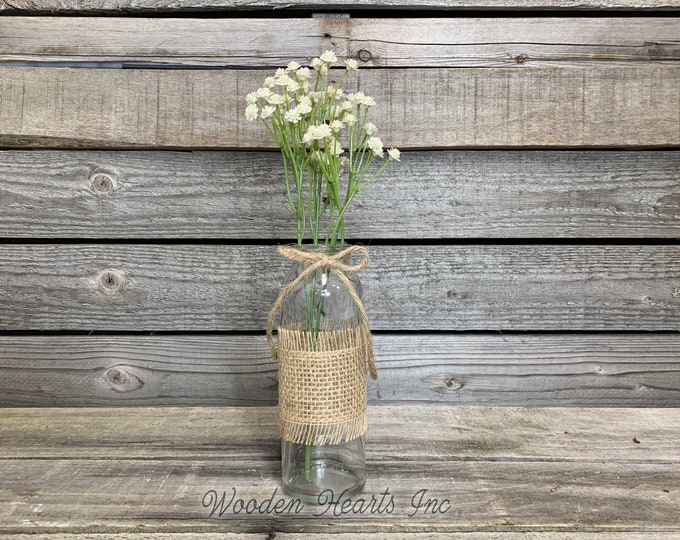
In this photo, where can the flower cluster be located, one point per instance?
(327, 143)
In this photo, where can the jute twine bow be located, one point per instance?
(334, 263)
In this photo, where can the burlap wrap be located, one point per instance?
(322, 388)
(322, 375)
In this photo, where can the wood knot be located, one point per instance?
(521, 58)
(364, 55)
(111, 281)
(122, 380)
(103, 183)
(443, 383)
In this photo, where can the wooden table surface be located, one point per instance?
(433, 473)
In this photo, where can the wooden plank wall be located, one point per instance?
(525, 251)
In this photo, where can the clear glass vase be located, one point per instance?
(331, 461)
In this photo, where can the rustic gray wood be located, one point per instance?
(359, 536)
(235, 195)
(373, 42)
(417, 108)
(116, 6)
(467, 287)
(632, 370)
(501, 469)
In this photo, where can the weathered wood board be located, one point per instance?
(173, 287)
(386, 42)
(240, 195)
(417, 107)
(498, 469)
(361, 536)
(118, 6)
(599, 370)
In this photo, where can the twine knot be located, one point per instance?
(324, 261)
(336, 264)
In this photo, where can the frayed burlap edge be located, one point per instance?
(322, 384)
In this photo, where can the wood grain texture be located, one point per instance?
(468, 287)
(392, 535)
(601, 370)
(239, 195)
(501, 470)
(419, 108)
(117, 6)
(415, 42)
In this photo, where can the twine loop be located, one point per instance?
(334, 263)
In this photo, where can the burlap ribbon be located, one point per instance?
(334, 263)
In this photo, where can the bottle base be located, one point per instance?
(323, 483)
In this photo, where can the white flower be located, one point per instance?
(359, 98)
(284, 80)
(292, 116)
(334, 92)
(368, 101)
(394, 154)
(276, 99)
(336, 125)
(251, 112)
(355, 97)
(304, 105)
(317, 63)
(251, 98)
(345, 106)
(376, 145)
(263, 93)
(304, 73)
(323, 131)
(329, 57)
(316, 132)
(293, 66)
(269, 82)
(267, 111)
(344, 161)
(351, 64)
(336, 148)
(349, 119)
(370, 128)
(293, 86)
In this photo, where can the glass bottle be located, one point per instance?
(320, 472)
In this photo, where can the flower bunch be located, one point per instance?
(328, 145)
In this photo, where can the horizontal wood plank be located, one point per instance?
(239, 195)
(391, 535)
(612, 370)
(417, 42)
(116, 6)
(417, 108)
(467, 287)
(236, 433)
(500, 469)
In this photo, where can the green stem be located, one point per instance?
(308, 463)
(313, 328)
